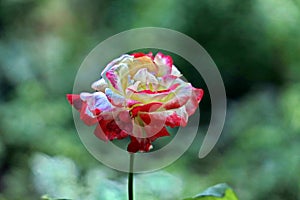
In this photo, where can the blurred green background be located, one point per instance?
(255, 44)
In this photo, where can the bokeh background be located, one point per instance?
(255, 44)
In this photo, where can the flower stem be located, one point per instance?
(130, 177)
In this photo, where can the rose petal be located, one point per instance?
(150, 107)
(97, 100)
(164, 63)
(115, 99)
(193, 102)
(144, 144)
(146, 96)
(74, 100)
(179, 97)
(145, 77)
(140, 54)
(122, 59)
(100, 85)
(109, 130)
(142, 62)
(114, 79)
(175, 71)
(171, 118)
(162, 133)
(85, 114)
(134, 145)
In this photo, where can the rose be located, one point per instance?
(137, 96)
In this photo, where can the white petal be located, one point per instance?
(100, 85)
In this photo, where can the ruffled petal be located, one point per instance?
(193, 102)
(140, 54)
(144, 144)
(114, 79)
(164, 63)
(75, 101)
(135, 146)
(100, 85)
(87, 116)
(175, 72)
(179, 97)
(97, 102)
(145, 77)
(146, 96)
(109, 130)
(150, 107)
(162, 133)
(171, 118)
(122, 59)
(81, 106)
(142, 62)
(114, 98)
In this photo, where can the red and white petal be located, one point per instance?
(100, 85)
(81, 106)
(136, 145)
(75, 101)
(171, 118)
(142, 62)
(193, 102)
(175, 71)
(144, 144)
(114, 98)
(145, 77)
(97, 101)
(162, 133)
(164, 63)
(140, 54)
(109, 130)
(122, 59)
(114, 79)
(177, 117)
(179, 97)
(146, 96)
(150, 107)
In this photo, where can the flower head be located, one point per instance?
(137, 96)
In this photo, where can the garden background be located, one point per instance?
(254, 43)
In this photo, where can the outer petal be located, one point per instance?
(163, 132)
(172, 118)
(175, 71)
(135, 145)
(144, 144)
(164, 63)
(109, 130)
(193, 102)
(122, 59)
(115, 99)
(97, 101)
(114, 79)
(177, 117)
(74, 100)
(140, 54)
(85, 114)
(180, 97)
(100, 85)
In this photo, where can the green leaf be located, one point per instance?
(218, 192)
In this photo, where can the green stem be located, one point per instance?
(130, 177)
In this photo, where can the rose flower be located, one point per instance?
(137, 97)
